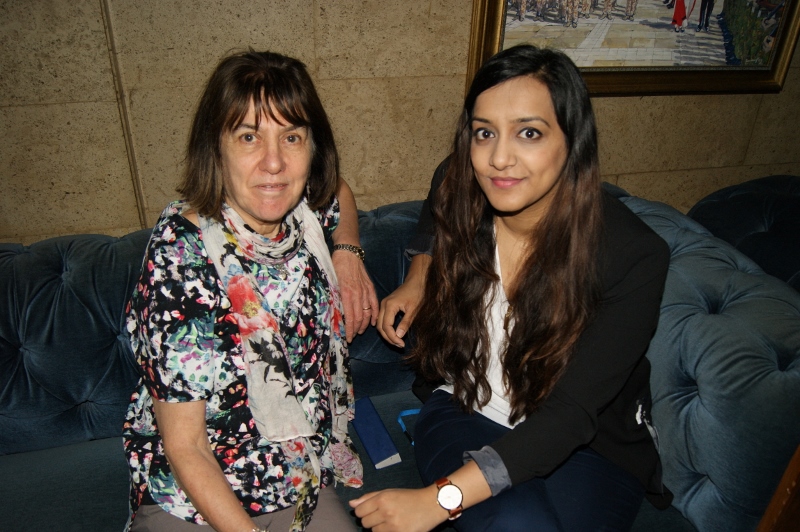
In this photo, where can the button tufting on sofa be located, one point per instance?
(725, 403)
(69, 377)
(760, 218)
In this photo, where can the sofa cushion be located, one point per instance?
(81, 487)
(66, 369)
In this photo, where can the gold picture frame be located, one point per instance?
(487, 34)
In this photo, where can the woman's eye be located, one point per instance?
(293, 139)
(481, 134)
(530, 133)
(248, 137)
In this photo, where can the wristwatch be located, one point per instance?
(352, 249)
(449, 497)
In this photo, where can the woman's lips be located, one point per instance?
(504, 182)
(271, 187)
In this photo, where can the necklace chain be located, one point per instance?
(507, 319)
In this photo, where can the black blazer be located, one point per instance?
(603, 398)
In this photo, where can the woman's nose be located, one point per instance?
(502, 155)
(272, 159)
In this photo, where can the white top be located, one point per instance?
(498, 409)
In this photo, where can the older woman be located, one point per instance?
(240, 419)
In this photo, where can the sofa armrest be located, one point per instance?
(725, 375)
(783, 512)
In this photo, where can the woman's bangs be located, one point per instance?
(285, 98)
(267, 98)
(239, 105)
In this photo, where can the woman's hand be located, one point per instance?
(418, 510)
(406, 299)
(400, 510)
(358, 294)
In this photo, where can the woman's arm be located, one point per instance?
(358, 294)
(178, 364)
(407, 297)
(183, 430)
(418, 510)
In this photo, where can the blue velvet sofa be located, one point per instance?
(760, 218)
(725, 358)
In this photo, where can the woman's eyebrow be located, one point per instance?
(287, 127)
(526, 119)
(521, 120)
(245, 126)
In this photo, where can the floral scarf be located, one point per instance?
(279, 413)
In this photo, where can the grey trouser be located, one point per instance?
(330, 515)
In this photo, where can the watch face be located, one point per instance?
(449, 497)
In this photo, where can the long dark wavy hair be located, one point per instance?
(558, 287)
(272, 82)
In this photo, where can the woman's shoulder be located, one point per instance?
(176, 232)
(628, 239)
(623, 227)
(178, 217)
(328, 215)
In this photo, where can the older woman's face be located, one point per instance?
(265, 169)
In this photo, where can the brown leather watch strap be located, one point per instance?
(455, 512)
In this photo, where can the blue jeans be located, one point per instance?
(585, 493)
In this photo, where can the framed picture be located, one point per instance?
(649, 47)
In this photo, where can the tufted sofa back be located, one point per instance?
(66, 368)
(760, 218)
(725, 375)
(384, 233)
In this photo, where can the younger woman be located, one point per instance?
(540, 300)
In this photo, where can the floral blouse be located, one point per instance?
(187, 344)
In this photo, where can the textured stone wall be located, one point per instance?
(96, 98)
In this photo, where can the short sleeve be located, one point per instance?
(172, 314)
(328, 217)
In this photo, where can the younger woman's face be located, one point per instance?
(518, 150)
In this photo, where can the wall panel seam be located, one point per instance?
(124, 114)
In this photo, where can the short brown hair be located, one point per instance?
(272, 82)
